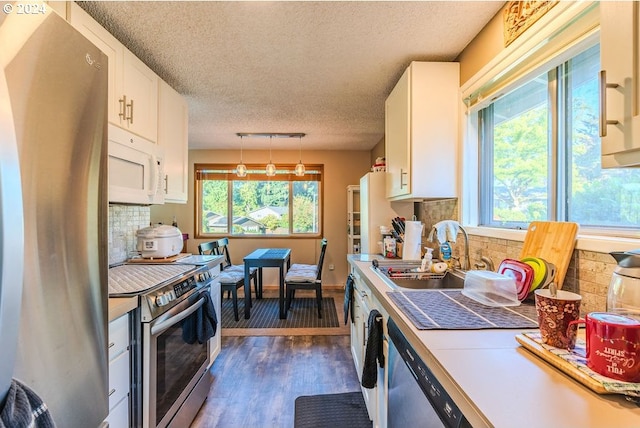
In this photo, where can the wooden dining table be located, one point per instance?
(265, 257)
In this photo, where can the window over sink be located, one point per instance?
(285, 205)
(539, 153)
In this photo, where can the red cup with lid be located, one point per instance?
(613, 345)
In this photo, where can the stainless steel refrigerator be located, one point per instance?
(53, 215)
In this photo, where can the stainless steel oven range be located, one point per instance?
(170, 380)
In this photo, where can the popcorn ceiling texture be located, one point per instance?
(322, 68)
(589, 273)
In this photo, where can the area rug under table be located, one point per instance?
(265, 313)
(345, 410)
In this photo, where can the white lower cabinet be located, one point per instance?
(119, 415)
(364, 302)
(119, 372)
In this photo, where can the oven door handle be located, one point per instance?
(165, 325)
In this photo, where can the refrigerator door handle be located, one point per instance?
(11, 237)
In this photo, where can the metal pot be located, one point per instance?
(623, 296)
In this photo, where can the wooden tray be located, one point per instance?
(160, 259)
(577, 368)
(561, 364)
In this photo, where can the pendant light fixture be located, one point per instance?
(299, 170)
(271, 168)
(241, 168)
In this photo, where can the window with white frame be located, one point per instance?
(284, 205)
(540, 154)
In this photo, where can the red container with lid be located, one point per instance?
(521, 272)
(613, 345)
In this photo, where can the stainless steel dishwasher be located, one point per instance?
(416, 398)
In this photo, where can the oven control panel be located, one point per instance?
(160, 299)
(184, 286)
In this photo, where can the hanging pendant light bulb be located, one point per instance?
(299, 170)
(271, 168)
(241, 168)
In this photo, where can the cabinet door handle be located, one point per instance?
(131, 110)
(603, 103)
(402, 175)
(112, 344)
(123, 107)
(111, 392)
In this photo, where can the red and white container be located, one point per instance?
(613, 345)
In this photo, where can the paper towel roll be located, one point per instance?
(412, 240)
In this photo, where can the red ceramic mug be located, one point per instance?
(613, 345)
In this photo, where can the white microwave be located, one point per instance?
(136, 169)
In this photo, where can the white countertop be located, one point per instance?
(496, 382)
(119, 306)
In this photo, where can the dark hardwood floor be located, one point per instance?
(258, 378)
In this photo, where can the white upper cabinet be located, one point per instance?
(619, 83)
(421, 132)
(173, 117)
(133, 87)
(397, 138)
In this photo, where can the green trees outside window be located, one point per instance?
(284, 205)
(540, 154)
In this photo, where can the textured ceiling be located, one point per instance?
(322, 68)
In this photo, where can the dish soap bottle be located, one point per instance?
(445, 252)
(427, 260)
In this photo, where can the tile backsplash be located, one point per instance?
(124, 221)
(589, 272)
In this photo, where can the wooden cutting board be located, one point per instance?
(552, 241)
(160, 259)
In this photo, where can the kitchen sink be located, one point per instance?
(449, 280)
(403, 274)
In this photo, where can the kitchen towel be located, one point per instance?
(373, 354)
(23, 408)
(412, 240)
(202, 325)
(348, 299)
(445, 230)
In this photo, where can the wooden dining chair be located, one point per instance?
(306, 277)
(232, 276)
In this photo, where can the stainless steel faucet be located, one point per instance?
(466, 265)
(485, 263)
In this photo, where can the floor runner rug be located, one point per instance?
(345, 410)
(265, 313)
